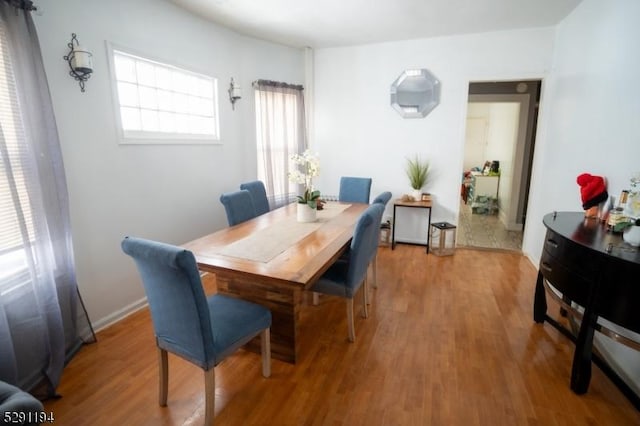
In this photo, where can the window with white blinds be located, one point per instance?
(163, 102)
(16, 224)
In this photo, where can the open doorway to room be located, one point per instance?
(499, 144)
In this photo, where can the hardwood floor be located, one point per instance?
(449, 341)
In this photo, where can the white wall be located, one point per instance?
(476, 131)
(503, 133)
(356, 128)
(168, 193)
(589, 122)
(589, 111)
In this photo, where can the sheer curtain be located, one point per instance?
(280, 133)
(41, 313)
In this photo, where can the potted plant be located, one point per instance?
(417, 171)
(307, 166)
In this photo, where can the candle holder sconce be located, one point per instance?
(79, 60)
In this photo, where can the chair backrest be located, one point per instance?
(354, 189)
(363, 245)
(239, 206)
(259, 196)
(382, 198)
(179, 309)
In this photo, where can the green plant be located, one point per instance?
(310, 165)
(621, 226)
(417, 172)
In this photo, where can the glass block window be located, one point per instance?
(157, 101)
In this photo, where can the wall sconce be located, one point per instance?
(235, 93)
(79, 61)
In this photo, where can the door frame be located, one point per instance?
(510, 219)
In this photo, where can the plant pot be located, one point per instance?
(632, 235)
(416, 194)
(306, 213)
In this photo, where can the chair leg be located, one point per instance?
(316, 298)
(352, 332)
(209, 396)
(265, 349)
(374, 265)
(163, 373)
(365, 299)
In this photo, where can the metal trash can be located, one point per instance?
(443, 238)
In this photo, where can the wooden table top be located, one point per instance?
(299, 265)
(417, 203)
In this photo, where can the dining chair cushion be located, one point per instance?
(234, 322)
(259, 196)
(239, 206)
(354, 189)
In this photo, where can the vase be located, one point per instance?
(416, 194)
(632, 235)
(306, 213)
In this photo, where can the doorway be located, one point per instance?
(499, 145)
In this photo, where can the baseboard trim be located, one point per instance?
(119, 315)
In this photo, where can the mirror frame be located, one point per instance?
(431, 97)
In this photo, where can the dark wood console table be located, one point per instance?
(596, 270)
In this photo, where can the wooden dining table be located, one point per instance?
(272, 259)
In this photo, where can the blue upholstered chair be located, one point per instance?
(344, 278)
(380, 199)
(203, 330)
(354, 189)
(239, 206)
(259, 196)
(15, 400)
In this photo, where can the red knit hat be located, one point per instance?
(592, 190)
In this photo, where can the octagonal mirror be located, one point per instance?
(415, 93)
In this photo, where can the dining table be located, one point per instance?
(273, 259)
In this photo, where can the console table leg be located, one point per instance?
(540, 301)
(581, 367)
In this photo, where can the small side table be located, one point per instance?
(444, 235)
(416, 205)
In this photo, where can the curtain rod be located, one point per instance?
(22, 4)
(277, 84)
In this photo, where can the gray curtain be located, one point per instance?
(281, 132)
(42, 319)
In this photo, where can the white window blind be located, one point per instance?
(161, 101)
(16, 224)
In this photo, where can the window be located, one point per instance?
(158, 102)
(280, 133)
(16, 224)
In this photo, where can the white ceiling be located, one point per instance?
(329, 23)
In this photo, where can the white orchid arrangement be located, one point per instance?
(307, 166)
(635, 183)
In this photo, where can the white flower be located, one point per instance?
(306, 167)
(635, 182)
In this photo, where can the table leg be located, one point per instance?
(581, 367)
(429, 230)
(284, 303)
(539, 301)
(393, 229)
